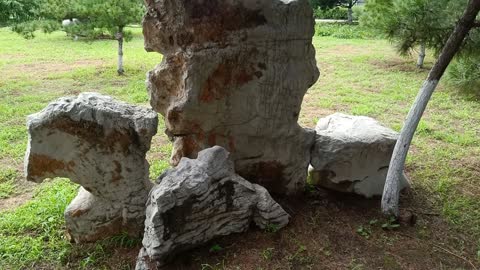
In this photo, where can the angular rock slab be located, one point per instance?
(234, 74)
(200, 200)
(100, 144)
(352, 154)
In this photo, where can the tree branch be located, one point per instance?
(476, 24)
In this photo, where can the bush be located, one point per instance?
(358, 12)
(337, 13)
(464, 73)
(343, 31)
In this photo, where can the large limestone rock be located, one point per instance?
(199, 200)
(352, 154)
(100, 144)
(234, 74)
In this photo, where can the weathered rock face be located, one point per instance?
(100, 144)
(352, 154)
(234, 74)
(199, 200)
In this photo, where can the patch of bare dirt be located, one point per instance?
(15, 201)
(13, 56)
(398, 64)
(342, 50)
(330, 230)
(46, 68)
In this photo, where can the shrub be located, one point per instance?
(337, 13)
(464, 73)
(357, 12)
(343, 31)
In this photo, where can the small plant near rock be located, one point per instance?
(218, 266)
(299, 258)
(364, 231)
(267, 253)
(271, 228)
(390, 224)
(7, 186)
(215, 248)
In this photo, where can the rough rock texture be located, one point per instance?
(199, 200)
(234, 74)
(352, 154)
(100, 144)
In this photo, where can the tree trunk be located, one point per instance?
(119, 37)
(391, 191)
(421, 56)
(350, 14)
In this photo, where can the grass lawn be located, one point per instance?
(328, 231)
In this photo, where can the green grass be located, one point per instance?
(361, 77)
(34, 232)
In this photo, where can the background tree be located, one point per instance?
(97, 18)
(325, 4)
(108, 17)
(412, 24)
(17, 11)
(457, 39)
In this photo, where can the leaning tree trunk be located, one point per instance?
(421, 56)
(391, 191)
(119, 37)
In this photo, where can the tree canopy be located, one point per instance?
(409, 23)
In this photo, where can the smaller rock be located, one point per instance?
(352, 154)
(100, 144)
(200, 200)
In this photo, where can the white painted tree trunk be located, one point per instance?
(119, 36)
(421, 56)
(391, 192)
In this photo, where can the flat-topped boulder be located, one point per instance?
(352, 154)
(100, 144)
(234, 74)
(199, 200)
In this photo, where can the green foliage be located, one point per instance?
(271, 228)
(34, 231)
(106, 17)
(344, 31)
(215, 248)
(410, 23)
(464, 73)
(97, 18)
(267, 253)
(336, 13)
(16, 11)
(322, 3)
(7, 186)
(390, 224)
(364, 231)
(327, 4)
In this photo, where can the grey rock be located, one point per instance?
(100, 144)
(199, 200)
(352, 154)
(234, 74)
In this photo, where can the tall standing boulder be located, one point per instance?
(234, 74)
(100, 144)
